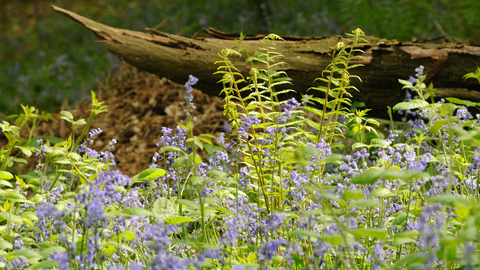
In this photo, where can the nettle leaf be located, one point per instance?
(124, 236)
(4, 175)
(461, 102)
(370, 232)
(178, 220)
(189, 203)
(448, 199)
(365, 203)
(163, 208)
(31, 255)
(136, 211)
(67, 116)
(304, 233)
(359, 145)
(410, 105)
(382, 192)
(148, 175)
(372, 175)
(333, 239)
(44, 265)
(367, 177)
(4, 244)
(46, 253)
(354, 194)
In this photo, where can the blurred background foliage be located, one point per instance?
(47, 60)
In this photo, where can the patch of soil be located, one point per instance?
(139, 105)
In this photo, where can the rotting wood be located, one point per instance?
(385, 61)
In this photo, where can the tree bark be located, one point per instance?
(385, 61)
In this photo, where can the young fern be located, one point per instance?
(262, 124)
(254, 112)
(233, 93)
(335, 94)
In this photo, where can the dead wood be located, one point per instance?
(385, 61)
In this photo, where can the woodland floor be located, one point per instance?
(139, 105)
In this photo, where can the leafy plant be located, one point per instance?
(281, 193)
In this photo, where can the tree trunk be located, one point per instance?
(385, 61)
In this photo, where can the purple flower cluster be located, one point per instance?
(192, 80)
(247, 123)
(287, 108)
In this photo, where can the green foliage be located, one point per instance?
(286, 192)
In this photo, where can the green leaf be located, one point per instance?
(148, 175)
(46, 253)
(178, 220)
(461, 102)
(13, 196)
(124, 236)
(367, 177)
(333, 239)
(304, 233)
(31, 255)
(67, 116)
(350, 194)
(414, 104)
(218, 173)
(4, 244)
(171, 149)
(44, 265)
(164, 208)
(368, 203)
(382, 192)
(370, 232)
(358, 145)
(437, 126)
(4, 175)
(189, 203)
(5, 183)
(447, 199)
(136, 211)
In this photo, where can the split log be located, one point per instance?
(385, 61)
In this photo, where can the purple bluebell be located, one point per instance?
(18, 244)
(94, 132)
(17, 263)
(247, 123)
(274, 221)
(94, 215)
(269, 249)
(188, 99)
(287, 107)
(62, 258)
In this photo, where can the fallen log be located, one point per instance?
(385, 61)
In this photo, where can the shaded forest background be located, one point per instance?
(48, 60)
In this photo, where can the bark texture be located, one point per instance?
(385, 61)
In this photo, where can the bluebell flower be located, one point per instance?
(17, 263)
(275, 220)
(18, 244)
(270, 248)
(135, 266)
(192, 80)
(95, 132)
(464, 114)
(94, 213)
(247, 123)
(289, 106)
(167, 262)
(419, 72)
(379, 253)
(158, 235)
(62, 258)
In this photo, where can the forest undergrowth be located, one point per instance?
(294, 184)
